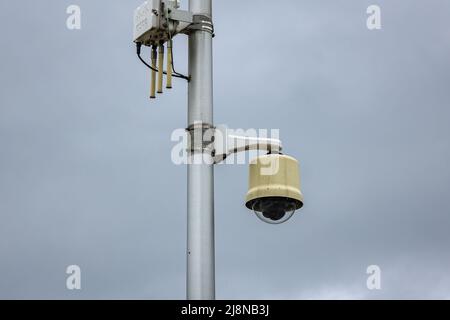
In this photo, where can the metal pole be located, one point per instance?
(200, 211)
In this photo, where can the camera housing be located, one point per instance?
(274, 188)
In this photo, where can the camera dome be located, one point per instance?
(274, 210)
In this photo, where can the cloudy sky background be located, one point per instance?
(86, 176)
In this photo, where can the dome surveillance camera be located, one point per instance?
(274, 188)
(275, 210)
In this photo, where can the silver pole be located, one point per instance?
(200, 212)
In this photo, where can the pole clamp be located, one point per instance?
(201, 138)
(203, 23)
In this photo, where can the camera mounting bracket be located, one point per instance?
(227, 144)
(206, 138)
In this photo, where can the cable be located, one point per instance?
(176, 75)
(171, 53)
(138, 52)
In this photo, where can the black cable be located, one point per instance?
(149, 66)
(171, 53)
(138, 52)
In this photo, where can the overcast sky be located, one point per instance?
(86, 176)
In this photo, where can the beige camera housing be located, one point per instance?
(274, 185)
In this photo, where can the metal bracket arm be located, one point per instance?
(236, 144)
(186, 21)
